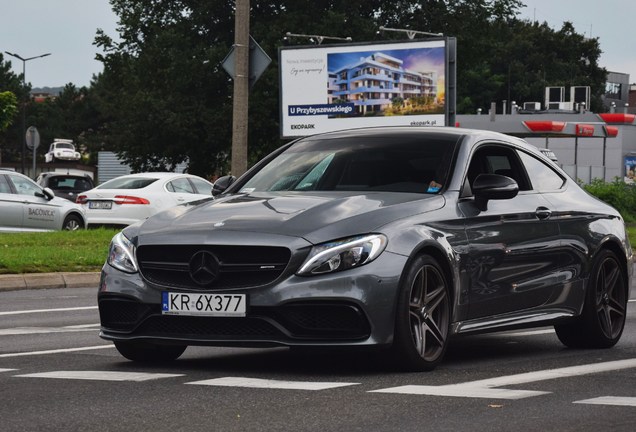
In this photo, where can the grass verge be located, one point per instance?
(57, 251)
(74, 251)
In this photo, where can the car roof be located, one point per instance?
(158, 175)
(56, 174)
(410, 130)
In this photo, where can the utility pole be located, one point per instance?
(241, 87)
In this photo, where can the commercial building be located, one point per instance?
(587, 145)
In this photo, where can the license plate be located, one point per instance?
(203, 304)
(105, 205)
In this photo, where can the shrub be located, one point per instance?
(618, 194)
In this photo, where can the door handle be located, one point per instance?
(543, 213)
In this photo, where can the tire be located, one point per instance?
(423, 316)
(72, 223)
(601, 323)
(147, 352)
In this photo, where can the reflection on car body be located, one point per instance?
(337, 240)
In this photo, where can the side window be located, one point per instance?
(542, 177)
(496, 159)
(25, 186)
(202, 187)
(4, 185)
(180, 185)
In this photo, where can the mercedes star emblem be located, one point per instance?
(204, 267)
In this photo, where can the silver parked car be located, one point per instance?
(26, 206)
(395, 238)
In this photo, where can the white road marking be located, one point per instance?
(45, 330)
(56, 351)
(486, 388)
(31, 311)
(101, 375)
(270, 384)
(7, 370)
(82, 326)
(609, 400)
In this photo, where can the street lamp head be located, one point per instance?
(14, 55)
(26, 59)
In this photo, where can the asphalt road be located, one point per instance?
(56, 374)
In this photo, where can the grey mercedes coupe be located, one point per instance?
(395, 238)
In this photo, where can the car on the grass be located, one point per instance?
(395, 238)
(27, 206)
(130, 198)
(67, 186)
(62, 149)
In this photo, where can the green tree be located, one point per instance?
(8, 109)
(163, 97)
(11, 135)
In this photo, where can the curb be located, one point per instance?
(16, 282)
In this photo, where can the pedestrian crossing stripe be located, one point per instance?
(7, 370)
(101, 375)
(609, 400)
(270, 384)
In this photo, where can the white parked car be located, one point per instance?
(27, 206)
(127, 199)
(62, 149)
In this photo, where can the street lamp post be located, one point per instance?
(23, 139)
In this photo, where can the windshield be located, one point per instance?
(127, 183)
(396, 163)
(64, 146)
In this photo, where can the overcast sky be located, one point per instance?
(66, 29)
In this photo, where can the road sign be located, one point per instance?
(32, 138)
(259, 60)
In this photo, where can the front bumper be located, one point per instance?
(351, 308)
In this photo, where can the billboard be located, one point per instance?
(335, 87)
(630, 168)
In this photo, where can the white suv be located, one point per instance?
(62, 149)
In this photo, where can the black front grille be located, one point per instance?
(335, 320)
(121, 313)
(292, 322)
(238, 266)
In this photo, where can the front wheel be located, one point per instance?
(603, 319)
(423, 316)
(147, 352)
(72, 223)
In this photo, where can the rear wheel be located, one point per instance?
(603, 319)
(147, 352)
(423, 316)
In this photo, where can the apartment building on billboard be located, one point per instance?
(375, 82)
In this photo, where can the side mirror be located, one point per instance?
(493, 187)
(47, 193)
(222, 184)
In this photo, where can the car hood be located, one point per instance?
(316, 217)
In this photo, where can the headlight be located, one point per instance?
(122, 254)
(343, 254)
